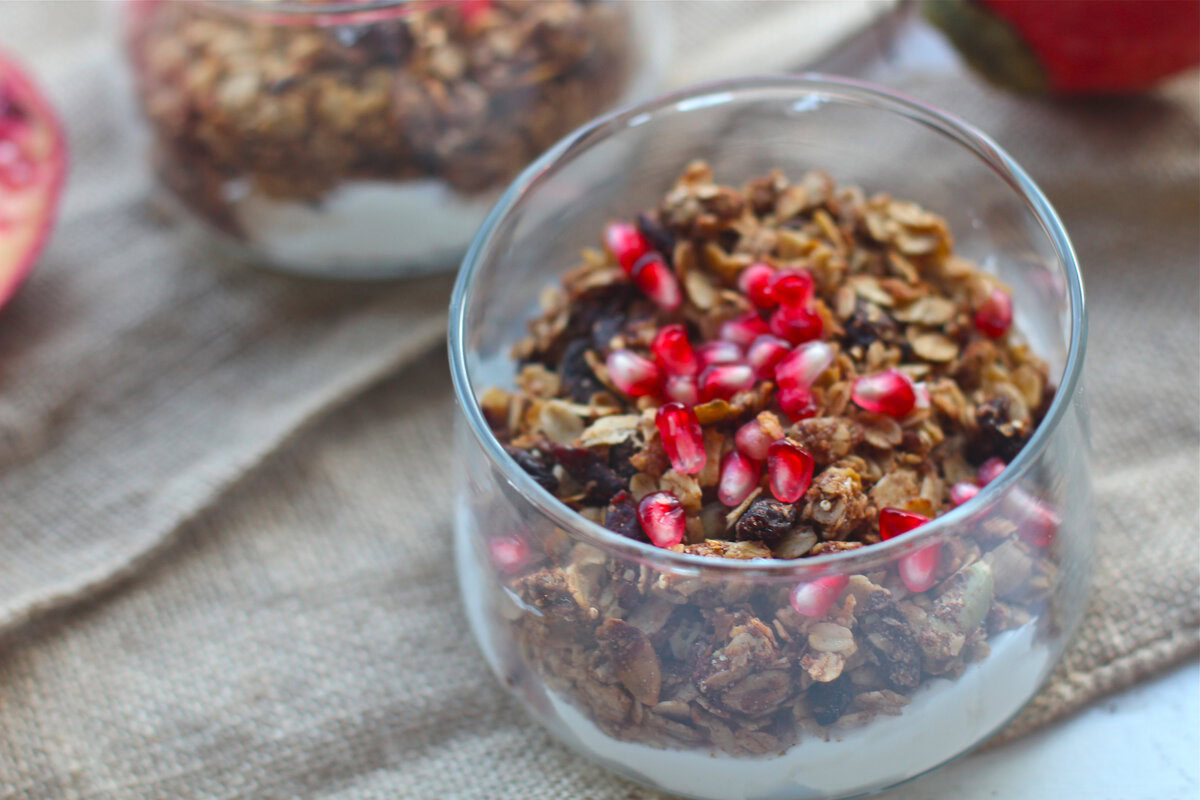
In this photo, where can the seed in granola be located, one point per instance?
(682, 389)
(755, 282)
(633, 374)
(739, 476)
(509, 553)
(963, 491)
(621, 517)
(797, 325)
(540, 473)
(829, 701)
(723, 381)
(634, 662)
(789, 470)
(804, 364)
(626, 244)
(662, 518)
(674, 352)
(658, 282)
(681, 436)
(889, 392)
(815, 598)
(895, 521)
(718, 351)
(792, 288)
(764, 353)
(766, 520)
(753, 441)
(990, 470)
(995, 316)
(743, 329)
(797, 402)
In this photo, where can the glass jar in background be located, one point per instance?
(369, 139)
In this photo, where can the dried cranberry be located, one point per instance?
(599, 481)
(766, 520)
(576, 374)
(621, 517)
(998, 434)
(659, 237)
(829, 701)
(536, 469)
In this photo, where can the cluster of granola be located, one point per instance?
(465, 92)
(778, 371)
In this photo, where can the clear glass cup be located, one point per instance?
(369, 139)
(689, 674)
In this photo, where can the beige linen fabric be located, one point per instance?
(245, 480)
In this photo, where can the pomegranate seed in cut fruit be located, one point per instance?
(633, 374)
(723, 381)
(682, 389)
(743, 329)
(718, 352)
(739, 476)
(755, 282)
(895, 521)
(764, 353)
(752, 441)
(804, 365)
(919, 570)
(797, 402)
(682, 437)
(995, 316)
(662, 518)
(889, 392)
(990, 470)
(509, 553)
(626, 244)
(674, 352)
(815, 598)
(797, 325)
(792, 288)
(963, 491)
(789, 470)
(658, 282)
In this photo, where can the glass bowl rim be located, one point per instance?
(323, 13)
(852, 92)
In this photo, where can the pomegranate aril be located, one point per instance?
(919, 570)
(990, 470)
(743, 329)
(508, 553)
(815, 598)
(804, 365)
(995, 316)
(963, 491)
(682, 389)
(633, 374)
(682, 437)
(889, 392)
(723, 381)
(18, 172)
(662, 518)
(626, 244)
(1037, 522)
(792, 288)
(789, 470)
(797, 325)
(797, 402)
(895, 521)
(739, 476)
(718, 352)
(752, 441)
(658, 282)
(764, 353)
(755, 282)
(674, 352)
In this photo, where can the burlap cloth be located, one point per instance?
(224, 502)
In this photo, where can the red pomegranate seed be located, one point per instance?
(472, 10)
(743, 329)
(895, 521)
(508, 553)
(919, 570)
(963, 491)
(797, 325)
(755, 282)
(674, 352)
(633, 374)
(815, 598)
(995, 316)
(626, 244)
(804, 365)
(1037, 522)
(889, 392)
(718, 352)
(658, 282)
(990, 470)
(739, 476)
(662, 518)
(792, 288)
(764, 353)
(723, 381)
(789, 470)
(797, 402)
(682, 389)
(682, 437)
(752, 441)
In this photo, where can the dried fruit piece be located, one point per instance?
(797, 402)
(815, 598)
(995, 316)
(889, 392)
(766, 520)
(804, 364)
(990, 470)
(792, 288)
(633, 374)
(674, 352)
(963, 491)
(797, 325)
(725, 380)
(739, 476)
(789, 470)
(662, 518)
(682, 437)
(626, 244)
(682, 389)
(718, 352)
(895, 521)
(755, 282)
(658, 282)
(743, 329)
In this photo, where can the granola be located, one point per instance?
(777, 371)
